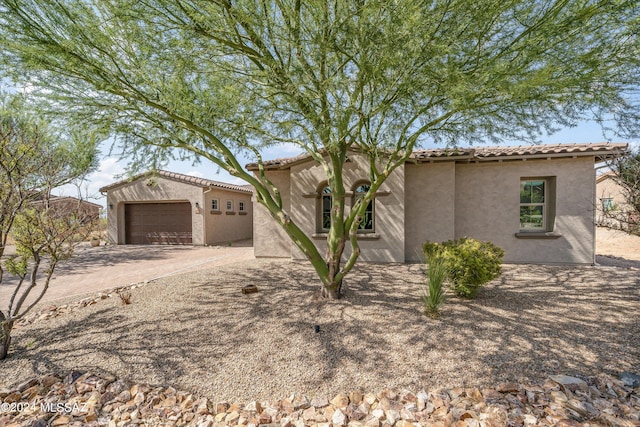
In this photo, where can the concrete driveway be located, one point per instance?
(93, 269)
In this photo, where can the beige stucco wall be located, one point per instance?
(299, 186)
(269, 238)
(223, 225)
(430, 206)
(442, 201)
(207, 228)
(164, 191)
(487, 208)
(387, 243)
(607, 188)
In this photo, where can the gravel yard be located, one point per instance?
(197, 332)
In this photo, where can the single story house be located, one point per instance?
(535, 202)
(612, 207)
(84, 210)
(160, 207)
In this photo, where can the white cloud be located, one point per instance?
(107, 173)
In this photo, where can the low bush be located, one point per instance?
(434, 292)
(470, 263)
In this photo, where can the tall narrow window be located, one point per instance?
(366, 226)
(325, 206)
(533, 204)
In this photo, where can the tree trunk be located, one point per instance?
(333, 290)
(5, 337)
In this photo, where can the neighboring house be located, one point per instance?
(611, 207)
(161, 207)
(535, 202)
(65, 205)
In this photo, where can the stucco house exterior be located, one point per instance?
(535, 202)
(612, 209)
(162, 207)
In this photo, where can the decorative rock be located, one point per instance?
(338, 418)
(569, 383)
(340, 401)
(508, 388)
(264, 418)
(249, 289)
(356, 397)
(370, 398)
(379, 414)
(253, 407)
(108, 401)
(392, 416)
(300, 403)
(630, 379)
(49, 380)
(354, 413)
(371, 421)
(319, 402)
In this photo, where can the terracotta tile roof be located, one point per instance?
(179, 177)
(601, 151)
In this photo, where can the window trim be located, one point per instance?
(215, 205)
(229, 205)
(548, 210)
(354, 199)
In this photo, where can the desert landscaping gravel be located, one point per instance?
(198, 332)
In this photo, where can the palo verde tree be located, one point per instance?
(34, 160)
(218, 77)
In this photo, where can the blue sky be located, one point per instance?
(113, 168)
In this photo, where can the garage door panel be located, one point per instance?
(158, 223)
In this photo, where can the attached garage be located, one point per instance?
(168, 208)
(158, 223)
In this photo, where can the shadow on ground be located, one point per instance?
(616, 261)
(198, 332)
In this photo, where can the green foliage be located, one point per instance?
(470, 262)
(36, 157)
(213, 79)
(434, 293)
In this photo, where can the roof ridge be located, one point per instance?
(177, 176)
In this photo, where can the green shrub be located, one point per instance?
(470, 262)
(434, 292)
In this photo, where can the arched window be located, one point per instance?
(325, 208)
(366, 226)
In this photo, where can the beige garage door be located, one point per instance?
(158, 224)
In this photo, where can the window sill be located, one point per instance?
(361, 236)
(229, 213)
(537, 235)
(215, 212)
(242, 213)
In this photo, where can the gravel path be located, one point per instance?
(197, 332)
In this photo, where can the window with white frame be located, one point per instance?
(229, 205)
(241, 206)
(533, 204)
(214, 205)
(366, 225)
